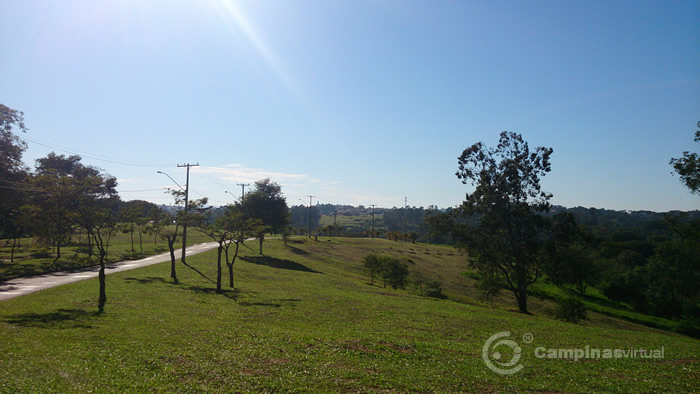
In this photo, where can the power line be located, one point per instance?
(91, 156)
(143, 190)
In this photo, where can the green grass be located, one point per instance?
(31, 259)
(304, 318)
(356, 224)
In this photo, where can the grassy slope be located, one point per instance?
(305, 318)
(355, 224)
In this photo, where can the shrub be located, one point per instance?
(571, 309)
(393, 271)
(434, 289)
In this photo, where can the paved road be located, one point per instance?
(21, 286)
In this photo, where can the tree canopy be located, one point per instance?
(688, 167)
(506, 200)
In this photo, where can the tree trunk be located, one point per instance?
(521, 297)
(89, 244)
(103, 292)
(12, 251)
(173, 274)
(58, 251)
(132, 239)
(261, 239)
(140, 240)
(233, 261)
(218, 270)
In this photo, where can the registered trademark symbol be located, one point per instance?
(528, 338)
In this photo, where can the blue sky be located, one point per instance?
(359, 102)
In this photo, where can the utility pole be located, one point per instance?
(310, 197)
(243, 185)
(187, 202)
(373, 205)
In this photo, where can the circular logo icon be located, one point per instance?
(495, 351)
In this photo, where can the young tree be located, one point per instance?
(239, 230)
(372, 263)
(394, 272)
(136, 215)
(170, 233)
(97, 209)
(506, 200)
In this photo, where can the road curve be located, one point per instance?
(21, 286)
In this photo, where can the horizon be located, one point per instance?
(359, 103)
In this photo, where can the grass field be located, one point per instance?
(356, 224)
(304, 318)
(31, 259)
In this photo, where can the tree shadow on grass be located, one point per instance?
(199, 272)
(285, 301)
(296, 250)
(228, 293)
(279, 263)
(61, 318)
(147, 280)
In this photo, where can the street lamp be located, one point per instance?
(171, 178)
(234, 196)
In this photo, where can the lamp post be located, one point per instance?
(234, 196)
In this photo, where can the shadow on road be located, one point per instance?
(61, 318)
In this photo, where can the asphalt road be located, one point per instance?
(21, 286)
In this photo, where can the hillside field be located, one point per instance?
(304, 317)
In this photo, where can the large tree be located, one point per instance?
(688, 167)
(13, 174)
(56, 208)
(506, 201)
(268, 204)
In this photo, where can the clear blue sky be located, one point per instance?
(359, 102)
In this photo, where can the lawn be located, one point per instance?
(32, 259)
(304, 318)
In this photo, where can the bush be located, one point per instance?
(434, 289)
(571, 309)
(392, 271)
